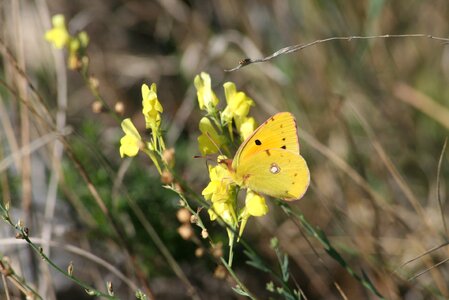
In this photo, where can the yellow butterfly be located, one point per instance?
(268, 161)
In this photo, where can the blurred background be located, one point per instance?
(373, 116)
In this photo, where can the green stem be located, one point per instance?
(91, 291)
(231, 235)
(240, 284)
(20, 281)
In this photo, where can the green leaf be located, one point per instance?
(239, 291)
(256, 262)
(284, 268)
(330, 250)
(140, 295)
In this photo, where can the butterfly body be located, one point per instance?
(269, 162)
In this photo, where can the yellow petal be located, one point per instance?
(247, 127)
(207, 100)
(129, 128)
(238, 103)
(58, 35)
(213, 216)
(255, 204)
(130, 143)
(129, 146)
(210, 188)
(58, 21)
(209, 141)
(206, 146)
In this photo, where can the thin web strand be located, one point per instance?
(290, 49)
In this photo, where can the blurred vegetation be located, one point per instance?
(373, 116)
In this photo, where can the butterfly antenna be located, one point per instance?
(207, 157)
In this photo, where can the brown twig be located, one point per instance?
(421, 255)
(440, 162)
(428, 269)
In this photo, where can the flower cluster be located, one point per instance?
(76, 45)
(219, 191)
(152, 109)
(132, 142)
(218, 136)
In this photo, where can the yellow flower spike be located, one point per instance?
(152, 108)
(238, 104)
(131, 142)
(221, 192)
(207, 99)
(58, 35)
(209, 141)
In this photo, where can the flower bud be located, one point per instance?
(199, 252)
(110, 289)
(70, 268)
(97, 107)
(183, 215)
(166, 177)
(169, 156)
(194, 219)
(185, 231)
(220, 272)
(217, 250)
(119, 107)
(94, 83)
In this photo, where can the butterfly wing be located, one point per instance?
(278, 132)
(275, 172)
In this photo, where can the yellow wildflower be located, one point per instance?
(58, 35)
(206, 97)
(238, 104)
(217, 189)
(221, 192)
(131, 142)
(152, 108)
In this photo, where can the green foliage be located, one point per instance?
(330, 250)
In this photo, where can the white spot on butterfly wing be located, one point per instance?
(274, 168)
